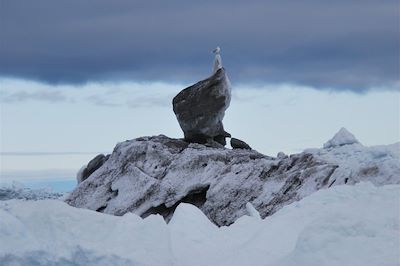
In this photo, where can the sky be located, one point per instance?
(77, 77)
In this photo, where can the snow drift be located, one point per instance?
(344, 225)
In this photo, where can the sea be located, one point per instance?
(37, 189)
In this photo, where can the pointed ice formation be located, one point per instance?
(342, 137)
(187, 217)
(251, 211)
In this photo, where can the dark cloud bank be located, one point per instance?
(326, 44)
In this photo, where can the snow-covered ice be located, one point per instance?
(342, 225)
(377, 164)
(342, 137)
(251, 211)
(17, 190)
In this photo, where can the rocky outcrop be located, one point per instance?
(152, 175)
(201, 107)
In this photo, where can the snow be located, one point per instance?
(79, 175)
(17, 190)
(342, 225)
(377, 164)
(251, 211)
(342, 137)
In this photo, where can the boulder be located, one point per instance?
(92, 166)
(152, 175)
(239, 144)
(201, 107)
(281, 155)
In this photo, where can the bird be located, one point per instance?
(217, 50)
(217, 59)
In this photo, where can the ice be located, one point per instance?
(252, 211)
(17, 190)
(377, 164)
(343, 225)
(342, 137)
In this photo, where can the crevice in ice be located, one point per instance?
(101, 209)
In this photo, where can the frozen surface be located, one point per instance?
(377, 164)
(17, 190)
(342, 137)
(343, 225)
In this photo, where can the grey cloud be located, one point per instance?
(151, 101)
(22, 96)
(336, 44)
(101, 101)
(131, 100)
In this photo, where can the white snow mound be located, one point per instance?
(343, 225)
(251, 211)
(342, 137)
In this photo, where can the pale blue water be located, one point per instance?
(57, 185)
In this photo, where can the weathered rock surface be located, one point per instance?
(201, 107)
(154, 174)
(92, 166)
(239, 144)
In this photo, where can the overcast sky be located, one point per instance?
(76, 77)
(341, 44)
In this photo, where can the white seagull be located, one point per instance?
(217, 50)
(217, 60)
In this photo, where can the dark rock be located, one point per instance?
(221, 139)
(239, 144)
(92, 166)
(201, 107)
(281, 155)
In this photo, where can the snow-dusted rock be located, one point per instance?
(201, 107)
(92, 166)
(342, 137)
(239, 144)
(152, 175)
(281, 155)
